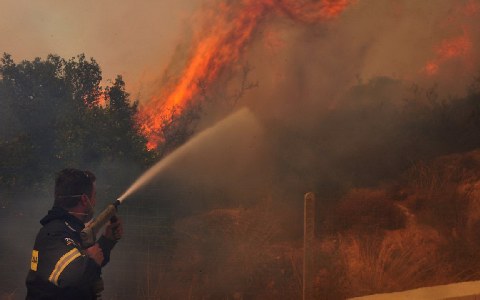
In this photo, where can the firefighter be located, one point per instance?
(60, 268)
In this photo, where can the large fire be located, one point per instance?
(219, 44)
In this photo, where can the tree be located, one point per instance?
(126, 140)
(51, 117)
(32, 94)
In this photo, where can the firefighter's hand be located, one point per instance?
(114, 229)
(95, 253)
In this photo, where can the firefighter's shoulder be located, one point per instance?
(59, 232)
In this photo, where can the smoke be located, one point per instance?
(399, 38)
(19, 223)
(370, 39)
(332, 95)
(129, 39)
(224, 165)
(332, 103)
(328, 114)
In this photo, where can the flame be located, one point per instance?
(431, 68)
(102, 100)
(458, 46)
(455, 47)
(219, 44)
(448, 49)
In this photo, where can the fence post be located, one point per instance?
(308, 240)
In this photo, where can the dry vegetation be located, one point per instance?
(422, 231)
(435, 242)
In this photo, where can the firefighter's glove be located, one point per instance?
(95, 253)
(114, 230)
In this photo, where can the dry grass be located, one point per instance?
(366, 210)
(229, 254)
(444, 195)
(435, 242)
(377, 242)
(400, 260)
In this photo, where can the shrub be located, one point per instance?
(403, 259)
(367, 210)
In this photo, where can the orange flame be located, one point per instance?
(455, 47)
(449, 49)
(220, 44)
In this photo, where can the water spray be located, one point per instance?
(89, 233)
(182, 151)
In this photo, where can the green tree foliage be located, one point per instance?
(51, 116)
(122, 128)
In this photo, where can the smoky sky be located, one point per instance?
(371, 38)
(303, 71)
(128, 38)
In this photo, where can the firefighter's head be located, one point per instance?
(75, 192)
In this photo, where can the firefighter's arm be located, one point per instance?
(106, 246)
(75, 268)
(113, 233)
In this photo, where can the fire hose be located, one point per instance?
(89, 233)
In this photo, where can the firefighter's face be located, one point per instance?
(89, 205)
(93, 200)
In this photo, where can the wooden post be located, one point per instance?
(308, 240)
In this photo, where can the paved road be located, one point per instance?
(464, 291)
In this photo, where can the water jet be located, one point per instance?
(203, 137)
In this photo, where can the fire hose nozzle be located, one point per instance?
(89, 233)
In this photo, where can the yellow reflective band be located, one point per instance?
(62, 263)
(34, 262)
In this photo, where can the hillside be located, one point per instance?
(419, 230)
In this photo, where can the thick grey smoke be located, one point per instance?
(331, 94)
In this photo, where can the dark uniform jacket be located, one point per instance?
(60, 268)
